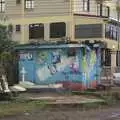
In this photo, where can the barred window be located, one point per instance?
(99, 9)
(29, 4)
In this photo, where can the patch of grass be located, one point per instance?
(17, 107)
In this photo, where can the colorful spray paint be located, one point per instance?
(75, 67)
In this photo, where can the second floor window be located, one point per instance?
(99, 9)
(103, 10)
(106, 11)
(86, 5)
(29, 4)
(2, 5)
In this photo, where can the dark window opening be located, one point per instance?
(36, 31)
(2, 5)
(18, 28)
(106, 57)
(57, 30)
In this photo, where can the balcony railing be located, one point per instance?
(91, 9)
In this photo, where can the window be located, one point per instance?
(57, 30)
(106, 11)
(2, 5)
(106, 57)
(29, 4)
(18, 1)
(111, 31)
(88, 31)
(99, 9)
(102, 10)
(36, 31)
(86, 5)
(18, 28)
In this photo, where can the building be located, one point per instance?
(84, 21)
(36, 20)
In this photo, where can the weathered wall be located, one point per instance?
(78, 66)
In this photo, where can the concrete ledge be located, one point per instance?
(68, 100)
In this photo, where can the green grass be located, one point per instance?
(18, 107)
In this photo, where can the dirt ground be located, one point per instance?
(112, 113)
(105, 113)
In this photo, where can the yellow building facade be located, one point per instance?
(53, 20)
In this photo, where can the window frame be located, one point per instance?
(2, 6)
(111, 31)
(29, 4)
(107, 11)
(99, 9)
(57, 32)
(36, 27)
(86, 5)
(18, 28)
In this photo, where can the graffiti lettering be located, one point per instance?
(26, 56)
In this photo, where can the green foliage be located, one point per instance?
(6, 43)
(7, 58)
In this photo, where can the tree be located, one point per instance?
(7, 58)
(6, 42)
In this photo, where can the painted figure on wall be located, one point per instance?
(41, 57)
(56, 57)
(89, 65)
(52, 68)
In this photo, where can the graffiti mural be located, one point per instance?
(58, 66)
(74, 67)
